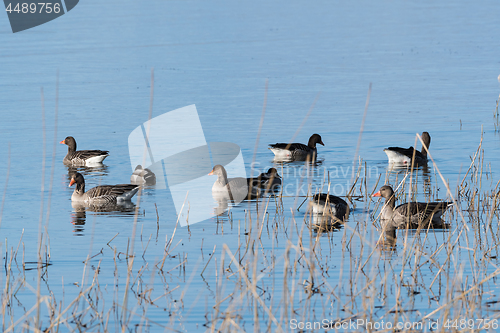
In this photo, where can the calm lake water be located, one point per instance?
(433, 67)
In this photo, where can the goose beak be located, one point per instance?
(321, 143)
(376, 194)
(211, 173)
(71, 182)
(62, 142)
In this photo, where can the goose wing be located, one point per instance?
(243, 188)
(407, 152)
(290, 146)
(420, 214)
(149, 177)
(415, 208)
(322, 197)
(86, 154)
(110, 192)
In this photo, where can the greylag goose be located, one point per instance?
(143, 176)
(237, 189)
(269, 180)
(329, 211)
(403, 156)
(412, 215)
(103, 194)
(297, 151)
(82, 157)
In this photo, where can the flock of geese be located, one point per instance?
(329, 211)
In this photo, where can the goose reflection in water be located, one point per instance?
(222, 202)
(79, 215)
(99, 170)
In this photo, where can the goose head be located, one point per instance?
(385, 192)
(315, 139)
(220, 172)
(77, 179)
(272, 172)
(70, 142)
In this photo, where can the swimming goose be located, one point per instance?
(269, 180)
(324, 204)
(103, 194)
(82, 157)
(412, 215)
(297, 151)
(329, 211)
(143, 176)
(403, 156)
(236, 188)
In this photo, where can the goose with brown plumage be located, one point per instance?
(403, 156)
(236, 189)
(297, 151)
(412, 215)
(82, 157)
(103, 194)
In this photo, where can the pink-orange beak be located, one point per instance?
(211, 173)
(71, 182)
(376, 194)
(62, 142)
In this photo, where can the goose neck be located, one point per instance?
(79, 189)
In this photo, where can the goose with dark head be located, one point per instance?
(101, 195)
(297, 151)
(82, 157)
(403, 156)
